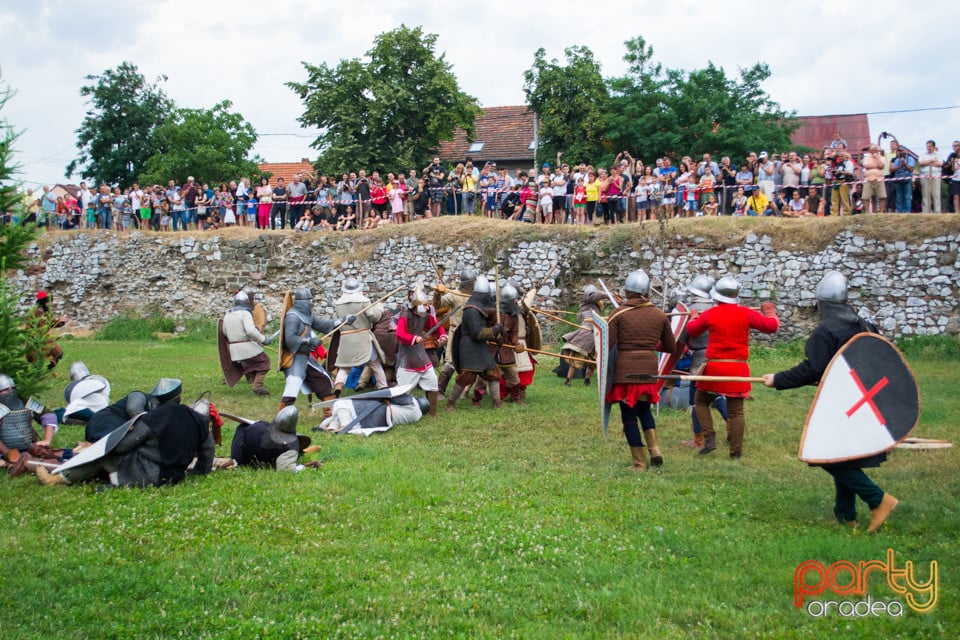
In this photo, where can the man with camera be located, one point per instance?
(901, 174)
(841, 173)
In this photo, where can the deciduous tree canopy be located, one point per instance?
(389, 110)
(211, 144)
(115, 138)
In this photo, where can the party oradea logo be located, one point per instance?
(845, 588)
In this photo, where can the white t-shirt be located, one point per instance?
(930, 170)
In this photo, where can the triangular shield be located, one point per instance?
(866, 403)
(379, 394)
(100, 448)
(606, 356)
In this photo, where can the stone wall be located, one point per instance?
(907, 288)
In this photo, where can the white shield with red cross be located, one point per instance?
(866, 403)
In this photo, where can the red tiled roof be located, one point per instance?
(817, 131)
(505, 131)
(286, 170)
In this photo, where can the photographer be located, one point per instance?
(841, 172)
(901, 174)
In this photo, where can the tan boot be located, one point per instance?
(696, 443)
(455, 394)
(639, 455)
(656, 458)
(879, 515)
(432, 398)
(258, 387)
(48, 479)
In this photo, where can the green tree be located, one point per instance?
(388, 111)
(18, 335)
(115, 138)
(211, 144)
(571, 102)
(674, 112)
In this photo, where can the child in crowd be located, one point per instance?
(642, 195)
(346, 219)
(710, 207)
(165, 219)
(689, 200)
(796, 207)
(529, 197)
(707, 183)
(397, 197)
(579, 203)
(739, 203)
(546, 206)
(305, 223)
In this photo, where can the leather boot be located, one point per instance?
(696, 443)
(20, 466)
(523, 394)
(879, 515)
(656, 458)
(709, 444)
(48, 479)
(455, 394)
(444, 379)
(639, 455)
(478, 393)
(493, 387)
(258, 387)
(514, 394)
(432, 398)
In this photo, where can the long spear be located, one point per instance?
(372, 304)
(649, 377)
(558, 318)
(545, 353)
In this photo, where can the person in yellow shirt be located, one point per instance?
(758, 204)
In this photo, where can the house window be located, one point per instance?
(476, 147)
(532, 146)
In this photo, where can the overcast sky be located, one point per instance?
(825, 57)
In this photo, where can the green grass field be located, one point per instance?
(520, 523)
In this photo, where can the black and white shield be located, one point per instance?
(866, 403)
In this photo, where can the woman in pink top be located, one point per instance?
(265, 203)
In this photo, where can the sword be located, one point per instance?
(442, 320)
(496, 281)
(369, 306)
(613, 300)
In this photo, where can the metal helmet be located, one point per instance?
(78, 371)
(202, 406)
(286, 420)
(589, 289)
(8, 392)
(167, 390)
(136, 403)
(637, 282)
(282, 431)
(482, 285)
(701, 286)
(726, 290)
(467, 276)
(303, 300)
(242, 300)
(424, 404)
(251, 293)
(832, 287)
(351, 285)
(508, 293)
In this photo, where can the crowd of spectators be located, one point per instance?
(833, 181)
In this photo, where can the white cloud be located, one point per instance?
(837, 57)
